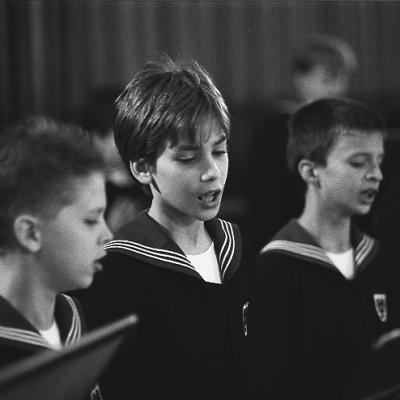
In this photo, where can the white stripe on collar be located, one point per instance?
(228, 247)
(168, 256)
(308, 250)
(224, 257)
(363, 249)
(23, 335)
(74, 333)
(34, 338)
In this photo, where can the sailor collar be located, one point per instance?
(145, 239)
(295, 241)
(16, 330)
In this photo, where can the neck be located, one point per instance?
(21, 288)
(189, 234)
(328, 228)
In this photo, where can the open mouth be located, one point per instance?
(209, 197)
(369, 194)
(97, 266)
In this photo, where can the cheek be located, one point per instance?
(167, 178)
(82, 243)
(223, 168)
(345, 185)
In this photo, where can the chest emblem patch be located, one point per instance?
(381, 306)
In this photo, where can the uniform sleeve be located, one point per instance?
(113, 292)
(271, 324)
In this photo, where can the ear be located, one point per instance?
(308, 172)
(27, 232)
(141, 171)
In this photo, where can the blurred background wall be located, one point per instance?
(53, 52)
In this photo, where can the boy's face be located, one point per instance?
(350, 180)
(72, 241)
(191, 176)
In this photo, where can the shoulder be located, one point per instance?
(11, 354)
(275, 263)
(290, 250)
(120, 271)
(117, 260)
(275, 275)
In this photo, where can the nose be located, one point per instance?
(375, 173)
(106, 235)
(210, 171)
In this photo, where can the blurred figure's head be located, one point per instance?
(96, 116)
(316, 128)
(323, 67)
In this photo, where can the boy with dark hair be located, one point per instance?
(176, 265)
(52, 233)
(319, 295)
(322, 66)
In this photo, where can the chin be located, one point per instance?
(207, 216)
(361, 211)
(84, 283)
(87, 283)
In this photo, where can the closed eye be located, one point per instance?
(357, 164)
(91, 222)
(186, 159)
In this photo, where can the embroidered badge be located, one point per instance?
(244, 317)
(381, 306)
(95, 394)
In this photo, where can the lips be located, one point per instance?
(210, 196)
(369, 195)
(97, 266)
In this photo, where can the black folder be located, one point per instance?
(379, 376)
(70, 373)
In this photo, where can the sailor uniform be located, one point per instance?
(19, 339)
(308, 326)
(188, 344)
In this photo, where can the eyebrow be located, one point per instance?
(191, 147)
(365, 153)
(98, 210)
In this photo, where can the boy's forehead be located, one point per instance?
(205, 130)
(359, 141)
(86, 191)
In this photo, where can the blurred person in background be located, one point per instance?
(125, 198)
(321, 67)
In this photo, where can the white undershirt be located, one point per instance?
(52, 335)
(206, 265)
(344, 262)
